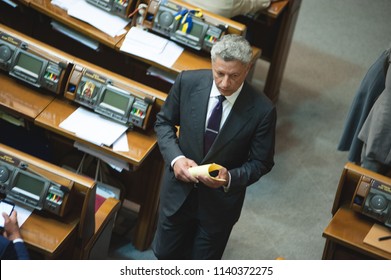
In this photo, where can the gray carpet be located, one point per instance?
(285, 213)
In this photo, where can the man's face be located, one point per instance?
(228, 75)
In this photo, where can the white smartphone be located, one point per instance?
(7, 207)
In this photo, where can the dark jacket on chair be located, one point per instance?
(371, 87)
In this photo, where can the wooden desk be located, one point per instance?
(276, 8)
(19, 100)
(49, 235)
(19, 97)
(234, 27)
(143, 155)
(146, 165)
(60, 15)
(272, 31)
(189, 59)
(280, 49)
(140, 144)
(347, 229)
(345, 237)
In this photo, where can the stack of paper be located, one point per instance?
(93, 127)
(150, 46)
(108, 23)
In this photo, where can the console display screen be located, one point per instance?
(115, 101)
(195, 32)
(29, 63)
(28, 185)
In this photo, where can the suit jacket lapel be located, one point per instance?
(198, 108)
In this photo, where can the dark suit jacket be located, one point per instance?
(370, 88)
(376, 130)
(245, 144)
(12, 251)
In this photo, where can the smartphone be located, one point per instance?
(7, 207)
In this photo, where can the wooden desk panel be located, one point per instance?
(140, 144)
(276, 8)
(281, 48)
(191, 61)
(18, 98)
(349, 228)
(24, 2)
(60, 15)
(49, 236)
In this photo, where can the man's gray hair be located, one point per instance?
(232, 47)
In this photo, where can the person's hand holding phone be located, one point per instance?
(9, 220)
(7, 208)
(11, 226)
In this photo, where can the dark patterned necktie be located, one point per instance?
(213, 126)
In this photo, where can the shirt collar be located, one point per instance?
(231, 99)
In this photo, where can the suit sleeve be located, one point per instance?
(167, 121)
(261, 154)
(13, 251)
(21, 251)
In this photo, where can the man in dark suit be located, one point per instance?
(11, 243)
(198, 213)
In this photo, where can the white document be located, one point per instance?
(64, 4)
(146, 41)
(121, 145)
(108, 23)
(23, 212)
(150, 46)
(93, 127)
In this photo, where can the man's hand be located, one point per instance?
(213, 183)
(181, 170)
(11, 227)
